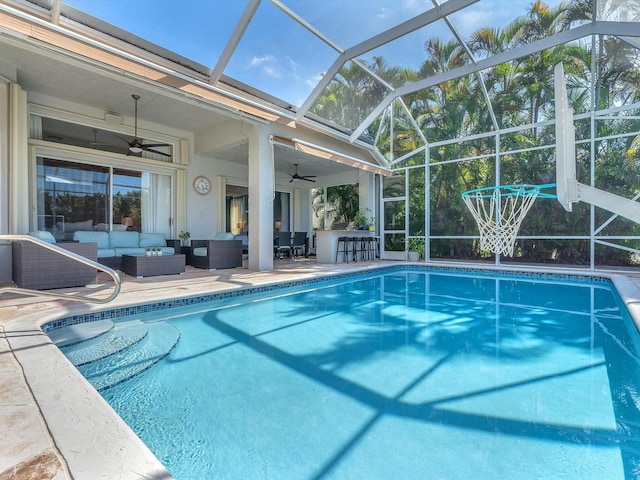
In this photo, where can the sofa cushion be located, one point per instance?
(223, 236)
(106, 252)
(104, 227)
(75, 226)
(101, 238)
(153, 240)
(124, 239)
(43, 235)
(243, 238)
(199, 251)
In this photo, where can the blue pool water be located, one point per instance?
(402, 375)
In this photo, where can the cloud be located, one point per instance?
(416, 6)
(268, 63)
(293, 65)
(314, 80)
(257, 61)
(384, 13)
(272, 72)
(497, 13)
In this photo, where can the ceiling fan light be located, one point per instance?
(135, 149)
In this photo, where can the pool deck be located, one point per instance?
(56, 426)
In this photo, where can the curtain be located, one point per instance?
(235, 214)
(156, 203)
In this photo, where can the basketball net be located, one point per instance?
(499, 211)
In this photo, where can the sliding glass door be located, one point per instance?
(237, 210)
(74, 196)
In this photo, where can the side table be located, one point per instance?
(177, 246)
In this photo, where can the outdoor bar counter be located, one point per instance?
(327, 240)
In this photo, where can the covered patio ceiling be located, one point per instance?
(348, 68)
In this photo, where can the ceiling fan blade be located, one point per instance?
(308, 179)
(123, 139)
(155, 145)
(304, 177)
(145, 148)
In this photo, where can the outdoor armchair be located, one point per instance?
(214, 254)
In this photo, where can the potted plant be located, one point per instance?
(372, 224)
(415, 248)
(158, 251)
(149, 251)
(360, 219)
(184, 238)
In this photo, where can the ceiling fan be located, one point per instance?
(295, 176)
(136, 146)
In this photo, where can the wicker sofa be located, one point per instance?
(39, 268)
(112, 245)
(221, 252)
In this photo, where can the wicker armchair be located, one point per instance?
(214, 254)
(38, 268)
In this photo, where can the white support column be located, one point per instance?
(19, 165)
(261, 192)
(366, 191)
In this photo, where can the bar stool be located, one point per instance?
(369, 248)
(374, 247)
(342, 245)
(364, 247)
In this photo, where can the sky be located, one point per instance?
(278, 56)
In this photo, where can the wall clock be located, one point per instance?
(202, 184)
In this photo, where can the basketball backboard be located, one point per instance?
(566, 182)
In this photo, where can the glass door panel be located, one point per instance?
(70, 197)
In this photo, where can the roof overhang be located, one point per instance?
(330, 154)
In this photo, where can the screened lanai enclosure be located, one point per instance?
(480, 112)
(451, 95)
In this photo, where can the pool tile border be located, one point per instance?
(242, 291)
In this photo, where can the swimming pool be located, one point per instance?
(404, 374)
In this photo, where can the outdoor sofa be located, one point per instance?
(38, 268)
(112, 245)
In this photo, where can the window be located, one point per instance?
(59, 131)
(333, 204)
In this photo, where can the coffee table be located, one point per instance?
(143, 266)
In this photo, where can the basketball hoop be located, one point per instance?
(499, 211)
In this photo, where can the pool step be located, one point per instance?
(126, 364)
(79, 332)
(121, 336)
